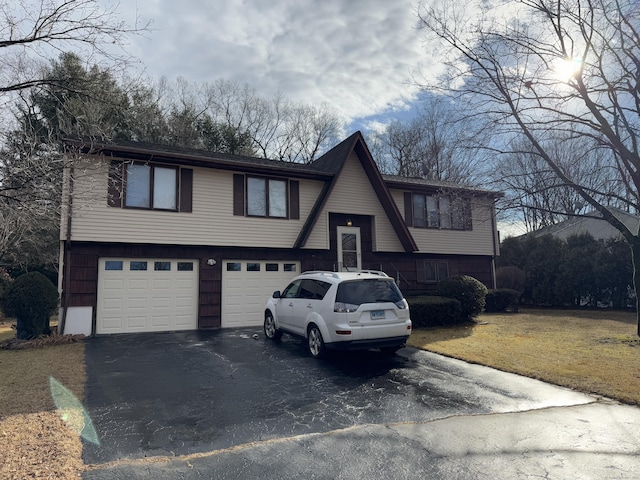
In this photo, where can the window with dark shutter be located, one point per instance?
(142, 185)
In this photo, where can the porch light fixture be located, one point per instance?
(349, 222)
(211, 261)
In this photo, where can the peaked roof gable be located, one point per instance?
(333, 162)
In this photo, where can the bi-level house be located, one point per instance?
(155, 238)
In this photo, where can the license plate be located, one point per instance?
(377, 314)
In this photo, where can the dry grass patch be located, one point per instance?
(590, 351)
(35, 442)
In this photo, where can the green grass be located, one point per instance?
(594, 352)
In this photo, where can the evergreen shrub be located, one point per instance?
(467, 290)
(31, 299)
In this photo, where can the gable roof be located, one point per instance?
(333, 162)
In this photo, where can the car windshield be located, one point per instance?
(357, 292)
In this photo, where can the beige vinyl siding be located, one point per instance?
(353, 194)
(211, 223)
(479, 241)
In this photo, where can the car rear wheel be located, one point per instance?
(270, 329)
(315, 342)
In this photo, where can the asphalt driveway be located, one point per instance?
(230, 404)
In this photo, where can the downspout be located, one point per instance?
(67, 247)
(494, 230)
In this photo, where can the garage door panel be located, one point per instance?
(245, 292)
(147, 300)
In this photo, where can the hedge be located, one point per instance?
(432, 311)
(500, 299)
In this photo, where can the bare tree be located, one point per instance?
(440, 143)
(279, 129)
(31, 32)
(544, 67)
(538, 196)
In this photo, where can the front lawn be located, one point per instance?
(590, 351)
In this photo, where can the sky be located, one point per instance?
(360, 57)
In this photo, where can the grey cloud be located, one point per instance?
(357, 56)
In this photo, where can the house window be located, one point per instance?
(435, 270)
(266, 197)
(440, 211)
(149, 186)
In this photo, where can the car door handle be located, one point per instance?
(309, 306)
(291, 304)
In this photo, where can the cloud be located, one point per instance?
(357, 56)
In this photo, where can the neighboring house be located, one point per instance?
(155, 238)
(598, 228)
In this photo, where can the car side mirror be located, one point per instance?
(276, 294)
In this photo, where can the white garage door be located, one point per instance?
(246, 286)
(147, 295)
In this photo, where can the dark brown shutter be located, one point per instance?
(114, 189)
(186, 190)
(238, 194)
(408, 209)
(294, 200)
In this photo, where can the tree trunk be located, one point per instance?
(635, 258)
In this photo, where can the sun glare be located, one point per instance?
(566, 68)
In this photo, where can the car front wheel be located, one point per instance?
(270, 329)
(315, 342)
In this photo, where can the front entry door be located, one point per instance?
(349, 254)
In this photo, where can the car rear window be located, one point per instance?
(372, 290)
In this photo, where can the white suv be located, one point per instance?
(340, 310)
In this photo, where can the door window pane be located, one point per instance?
(185, 266)
(253, 267)
(162, 266)
(271, 267)
(289, 267)
(138, 266)
(234, 267)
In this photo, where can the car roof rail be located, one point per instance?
(374, 272)
(322, 272)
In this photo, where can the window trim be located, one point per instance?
(429, 221)
(117, 186)
(152, 185)
(267, 193)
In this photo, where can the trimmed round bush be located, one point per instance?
(467, 290)
(31, 299)
(432, 311)
(500, 299)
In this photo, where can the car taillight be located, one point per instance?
(402, 304)
(341, 307)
